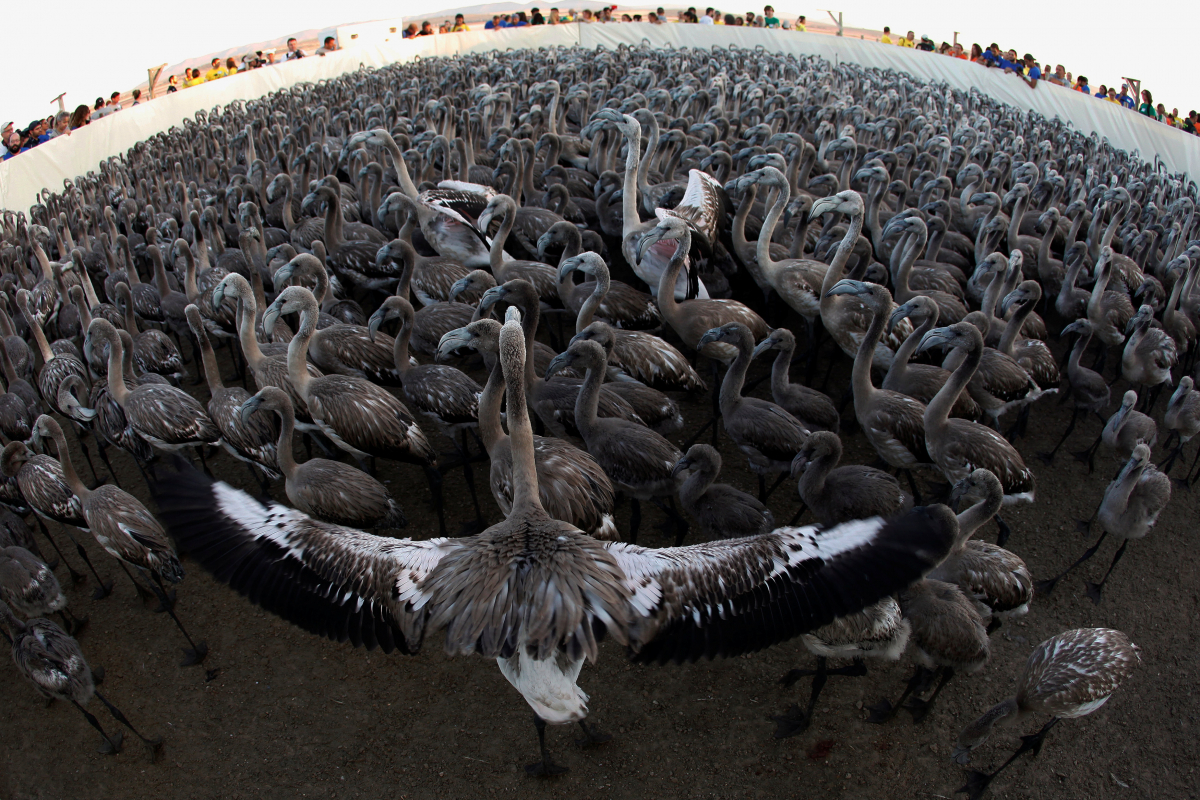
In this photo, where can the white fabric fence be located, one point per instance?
(23, 177)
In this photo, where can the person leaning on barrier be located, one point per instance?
(293, 51)
(80, 116)
(329, 46)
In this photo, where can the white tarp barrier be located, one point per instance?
(23, 177)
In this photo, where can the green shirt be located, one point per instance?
(1148, 110)
(771, 22)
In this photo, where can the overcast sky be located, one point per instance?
(89, 49)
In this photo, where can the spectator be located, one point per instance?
(707, 19)
(801, 25)
(554, 18)
(61, 127)
(172, 84)
(729, 20)
(293, 51)
(1059, 77)
(887, 36)
(231, 67)
(35, 134)
(1103, 93)
(1189, 124)
(460, 24)
(192, 77)
(1163, 116)
(1147, 106)
(521, 21)
(976, 54)
(909, 40)
(769, 18)
(12, 145)
(114, 100)
(1112, 96)
(1032, 73)
(270, 58)
(328, 46)
(1124, 99)
(1178, 119)
(636, 17)
(605, 15)
(137, 97)
(750, 20)
(943, 49)
(491, 25)
(79, 117)
(586, 16)
(426, 29)
(1081, 85)
(717, 18)
(957, 52)
(925, 44)
(217, 72)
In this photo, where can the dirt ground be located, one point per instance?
(291, 715)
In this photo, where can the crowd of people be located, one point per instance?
(1031, 72)
(1027, 68)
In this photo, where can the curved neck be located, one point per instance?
(629, 208)
(496, 256)
(333, 221)
(977, 515)
(587, 402)
(64, 459)
(780, 369)
(735, 379)
(938, 410)
(667, 304)
(400, 347)
(212, 372)
(861, 374)
(838, 266)
(490, 430)
(39, 336)
(116, 375)
(906, 349)
(1013, 328)
(287, 426)
(812, 482)
(697, 483)
(525, 485)
(782, 194)
(247, 317)
(406, 184)
(297, 356)
(588, 310)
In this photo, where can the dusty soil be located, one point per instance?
(291, 715)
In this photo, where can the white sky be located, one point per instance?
(89, 49)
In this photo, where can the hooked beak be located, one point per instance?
(847, 286)
(559, 362)
(956, 495)
(897, 315)
(1009, 300)
(762, 347)
(282, 276)
(451, 341)
(823, 206)
(799, 464)
(938, 337)
(565, 268)
(682, 465)
(485, 219)
(491, 297)
(270, 315)
(218, 296)
(374, 322)
(710, 336)
(249, 407)
(458, 288)
(653, 237)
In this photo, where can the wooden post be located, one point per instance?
(955, 38)
(837, 19)
(153, 73)
(61, 106)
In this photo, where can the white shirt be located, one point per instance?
(706, 20)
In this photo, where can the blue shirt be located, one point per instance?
(1125, 100)
(489, 25)
(1034, 74)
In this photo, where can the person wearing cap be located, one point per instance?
(925, 44)
(1027, 70)
(1124, 98)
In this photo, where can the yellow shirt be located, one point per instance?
(460, 26)
(885, 39)
(215, 73)
(800, 27)
(905, 42)
(193, 82)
